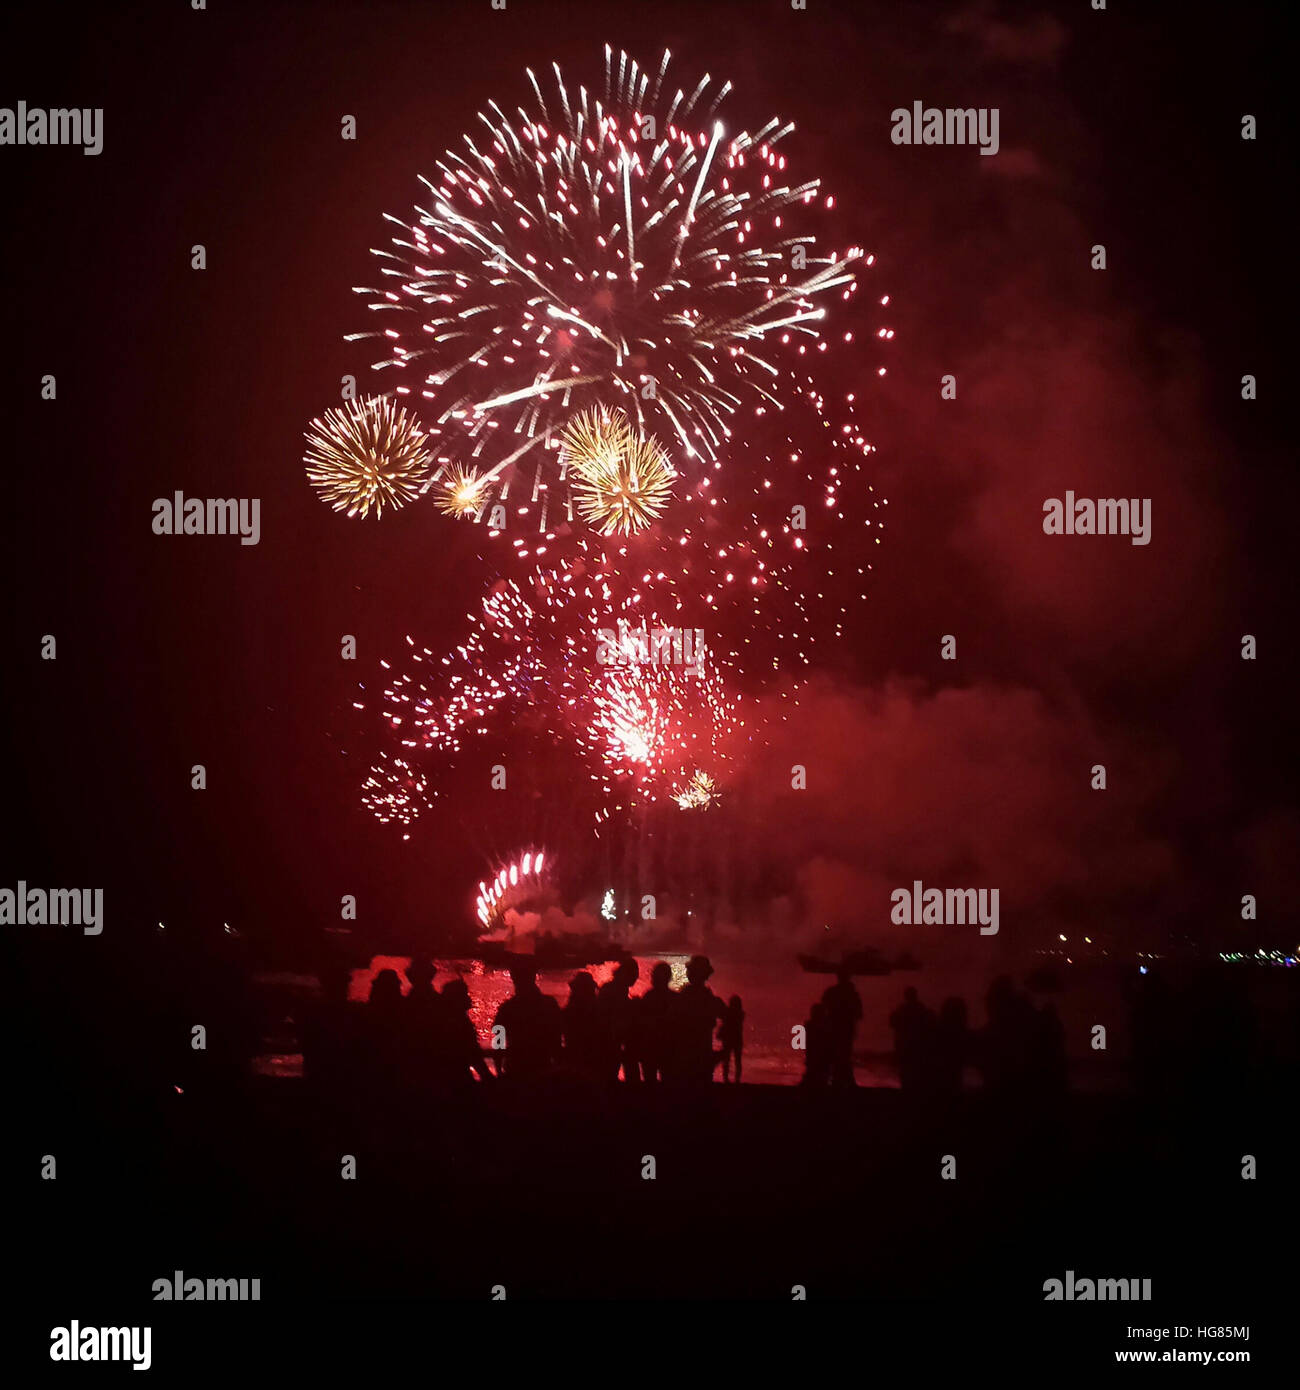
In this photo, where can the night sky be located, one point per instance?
(222, 128)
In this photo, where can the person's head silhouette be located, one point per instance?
(386, 988)
(582, 987)
(523, 975)
(420, 972)
(698, 969)
(456, 993)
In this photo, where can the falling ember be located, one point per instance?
(394, 792)
(621, 480)
(365, 455)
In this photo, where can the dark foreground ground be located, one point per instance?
(757, 1191)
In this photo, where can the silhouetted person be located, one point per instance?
(1048, 1071)
(1006, 1054)
(817, 1054)
(328, 1033)
(385, 1045)
(698, 1011)
(843, 1013)
(614, 1007)
(653, 1019)
(425, 1026)
(914, 1041)
(461, 1055)
(952, 1047)
(534, 1027)
(583, 1051)
(731, 1035)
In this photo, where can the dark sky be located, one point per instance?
(223, 128)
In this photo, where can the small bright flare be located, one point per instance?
(699, 793)
(461, 493)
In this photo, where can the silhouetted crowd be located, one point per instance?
(1020, 1051)
(683, 1036)
(604, 1033)
(678, 1036)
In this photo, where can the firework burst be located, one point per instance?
(621, 481)
(461, 492)
(699, 793)
(394, 792)
(648, 725)
(511, 887)
(601, 252)
(535, 662)
(366, 454)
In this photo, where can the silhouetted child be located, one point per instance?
(731, 1034)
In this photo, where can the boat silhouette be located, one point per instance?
(867, 961)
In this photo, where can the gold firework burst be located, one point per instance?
(701, 791)
(366, 454)
(621, 480)
(462, 492)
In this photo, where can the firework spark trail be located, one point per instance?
(509, 886)
(600, 253)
